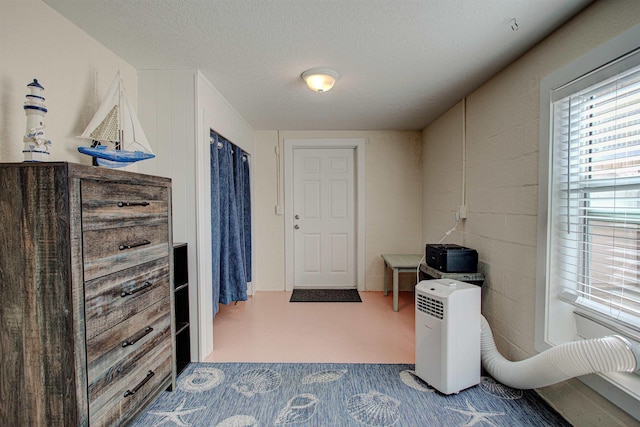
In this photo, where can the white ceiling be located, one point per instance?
(402, 62)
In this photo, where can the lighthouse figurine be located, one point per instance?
(36, 146)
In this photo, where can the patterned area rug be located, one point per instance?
(325, 295)
(336, 395)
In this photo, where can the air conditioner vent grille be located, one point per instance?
(430, 306)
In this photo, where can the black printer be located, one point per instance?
(450, 258)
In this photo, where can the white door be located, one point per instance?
(323, 218)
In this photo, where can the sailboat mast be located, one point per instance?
(121, 115)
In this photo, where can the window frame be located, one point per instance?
(558, 321)
(598, 204)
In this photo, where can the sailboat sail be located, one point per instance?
(116, 123)
(107, 130)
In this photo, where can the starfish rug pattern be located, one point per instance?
(332, 395)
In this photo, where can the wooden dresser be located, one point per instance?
(86, 301)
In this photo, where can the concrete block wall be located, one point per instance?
(502, 139)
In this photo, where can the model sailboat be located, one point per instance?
(118, 138)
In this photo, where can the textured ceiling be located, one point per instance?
(402, 62)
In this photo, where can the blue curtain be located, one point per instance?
(243, 202)
(230, 228)
(246, 214)
(215, 221)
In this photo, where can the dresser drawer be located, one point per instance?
(134, 390)
(117, 354)
(110, 250)
(112, 204)
(111, 299)
(107, 352)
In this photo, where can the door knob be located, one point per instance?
(296, 226)
(297, 217)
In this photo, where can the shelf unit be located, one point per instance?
(181, 297)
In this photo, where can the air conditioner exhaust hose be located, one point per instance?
(609, 354)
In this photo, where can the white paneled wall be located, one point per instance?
(178, 109)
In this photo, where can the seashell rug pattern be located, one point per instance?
(336, 395)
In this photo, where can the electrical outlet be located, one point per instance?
(462, 212)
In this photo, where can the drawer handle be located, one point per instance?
(131, 292)
(123, 246)
(139, 386)
(134, 339)
(125, 204)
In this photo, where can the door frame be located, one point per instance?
(358, 146)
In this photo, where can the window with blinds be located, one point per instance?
(595, 191)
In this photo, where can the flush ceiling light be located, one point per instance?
(320, 79)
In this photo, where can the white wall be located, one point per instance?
(75, 70)
(178, 109)
(502, 134)
(442, 177)
(172, 103)
(393, 202)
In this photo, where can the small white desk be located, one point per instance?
(399, 264)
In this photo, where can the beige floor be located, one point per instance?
(268, 328)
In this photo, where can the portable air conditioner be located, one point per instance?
(448, 334)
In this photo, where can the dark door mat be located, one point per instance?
(325, 295)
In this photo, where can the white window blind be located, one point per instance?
(595, 191)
